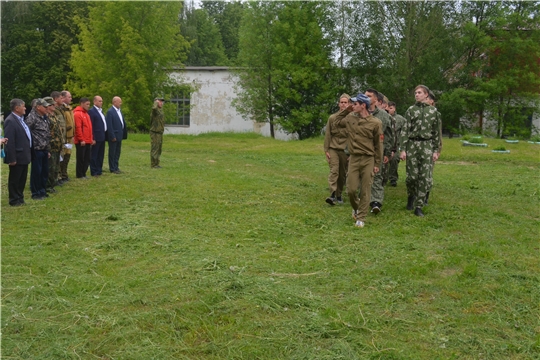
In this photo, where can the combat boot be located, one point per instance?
(410, 202)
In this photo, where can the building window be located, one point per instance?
(177, 110)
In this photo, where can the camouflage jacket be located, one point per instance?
(422, 124)
(59, 114)
(39, 128)
(157, 119)
(387, 130)
(336, 134)
(398, 122)
(57, 141)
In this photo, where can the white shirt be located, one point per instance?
(119, 115)
(100, 110)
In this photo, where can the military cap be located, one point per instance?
(42, 102)
(363, 99)
(49, 100)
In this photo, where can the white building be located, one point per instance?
(210, 105)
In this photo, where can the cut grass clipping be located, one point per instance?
(230, 252)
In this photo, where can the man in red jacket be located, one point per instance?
(83, 138)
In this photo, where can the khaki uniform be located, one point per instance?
(377, 189)
(157, 127)
(335, 140)
(364, 143)
(70, 131)
(420, 139)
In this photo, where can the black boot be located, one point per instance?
(331, 200)
(410, 202)
(426, 199)
(418, 212)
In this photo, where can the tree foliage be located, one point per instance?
(36, 47)
(227, 15)
(286, 62)
(205, 39)
(125, 50)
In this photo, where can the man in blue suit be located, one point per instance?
(99, 130)
(116, 130)
(18, 151)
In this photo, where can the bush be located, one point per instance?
(476, 140)
(500, 148)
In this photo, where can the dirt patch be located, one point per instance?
(456, 163)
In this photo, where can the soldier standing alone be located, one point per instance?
(157, 126)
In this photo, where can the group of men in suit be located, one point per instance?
(46, 136)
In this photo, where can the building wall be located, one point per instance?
(211, 104)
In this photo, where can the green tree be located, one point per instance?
(36, 47)
(499, 72)
(227, 16)
(206, 46)
(125, 50)
(286, 59)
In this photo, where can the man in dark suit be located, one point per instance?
(99, 129)
(18, 153)
(116, 130)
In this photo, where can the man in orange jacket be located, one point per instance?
(83, 138)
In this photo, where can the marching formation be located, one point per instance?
(365, 141)
(45, 138)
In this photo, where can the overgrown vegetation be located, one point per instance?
(230, 252)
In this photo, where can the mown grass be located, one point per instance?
(230, 252)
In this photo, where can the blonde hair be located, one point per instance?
(344, 95)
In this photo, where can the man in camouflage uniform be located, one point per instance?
(377, 189)
(56, 145)
(38, 123)
(59, 115)
(397, 123)
(157, 127)
(419, 146)
(67, 112)
(431, 101)
(335, 140)
(364, 144)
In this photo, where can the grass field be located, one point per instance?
(230, 252)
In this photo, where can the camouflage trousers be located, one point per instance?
(430, 185)
(377, 189)
(393, 168)
(418, 167)
(338, 171)
(155, 149)
(54, 168)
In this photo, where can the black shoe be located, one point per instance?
(331, 201)
(38, 197)
(339, 200)
(418, 212)
(376, 207)
(410, 202)
(156, 167)
(426, 199)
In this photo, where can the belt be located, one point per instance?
(419, 139)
